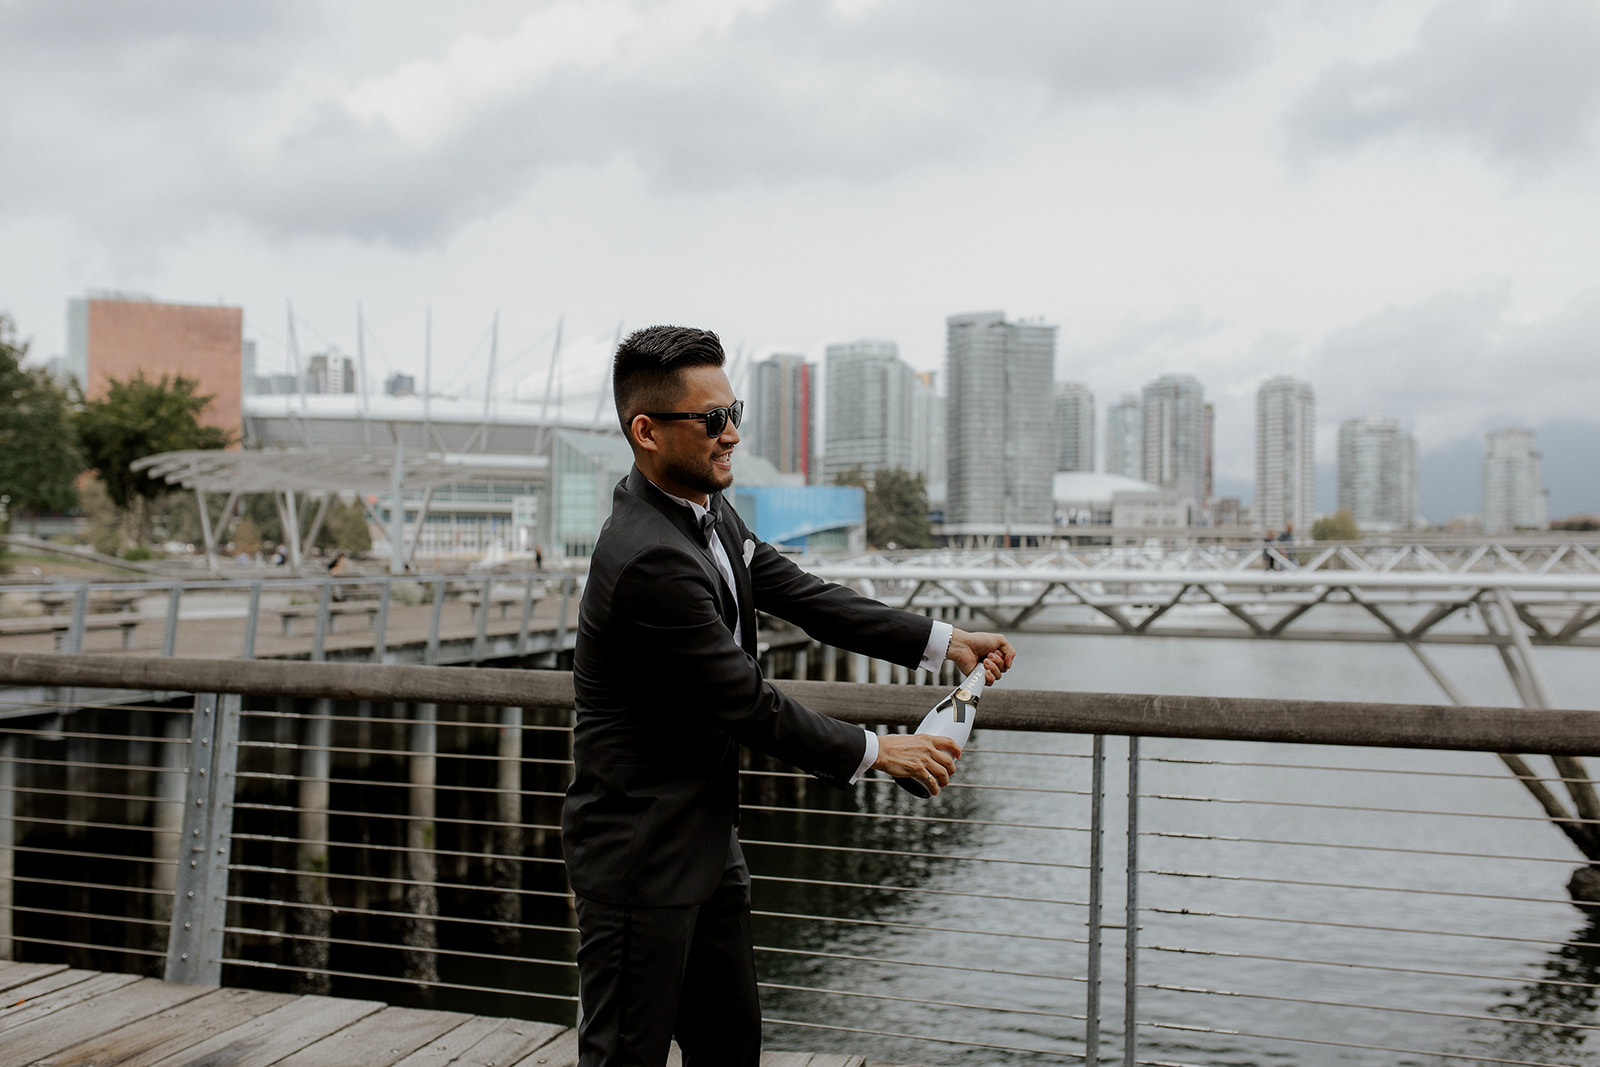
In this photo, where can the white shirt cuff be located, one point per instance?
(938, 645)
(869, 759)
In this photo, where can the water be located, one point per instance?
(1341, 898)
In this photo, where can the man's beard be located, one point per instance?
(697, 474)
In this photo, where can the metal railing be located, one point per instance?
(436, 619)
(1299, 880)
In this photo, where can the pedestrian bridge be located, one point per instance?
(1112, 878)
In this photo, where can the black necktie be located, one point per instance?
(708, 523)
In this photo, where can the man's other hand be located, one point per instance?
(993, 649)
(929, 758)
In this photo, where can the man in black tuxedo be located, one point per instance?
(668, 687)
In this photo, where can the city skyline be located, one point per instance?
(789, 433)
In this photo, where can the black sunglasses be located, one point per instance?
(716, 418)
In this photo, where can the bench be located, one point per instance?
(503, 601)
(287, 616)
(60, 603)
(61, 626)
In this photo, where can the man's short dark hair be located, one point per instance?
(645, 375)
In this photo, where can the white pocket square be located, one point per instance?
(749, 551)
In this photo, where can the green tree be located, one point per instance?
(897, 507)
(1340, 526)
(345, 528)
(138, 418)
(39, 455)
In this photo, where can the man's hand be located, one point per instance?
(993, 649)
(929, 758)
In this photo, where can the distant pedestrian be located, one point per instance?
(1267, 554)
(335, 569)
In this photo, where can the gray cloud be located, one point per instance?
(129, 116)
(1459, 363)
(173, 107)
(1518, 81)
(1084, 50)
(1139, 350)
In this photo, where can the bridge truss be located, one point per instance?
(1510, 599)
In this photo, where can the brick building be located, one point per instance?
(115, 336)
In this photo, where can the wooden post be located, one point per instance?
(313, 915)
(505, 860)
(167, 819)
(421, 933)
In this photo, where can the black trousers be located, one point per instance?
(648, 975)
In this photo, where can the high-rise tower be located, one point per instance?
(1513, 482)
(1074, 427)
(1286, 462)
(780, 415)
(1378, 473)
(1175, 440)
(928, 429)
(1124, 437)
(1001, 441)
(870, 419)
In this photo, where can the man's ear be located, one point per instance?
(642, 434)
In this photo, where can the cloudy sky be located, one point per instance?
(1394, 200)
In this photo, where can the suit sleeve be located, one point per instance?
(835, 614)
(681, 639)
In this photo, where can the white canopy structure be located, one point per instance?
(296, 476)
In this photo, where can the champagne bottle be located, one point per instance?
(951, 717)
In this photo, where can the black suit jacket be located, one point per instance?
(665, 696)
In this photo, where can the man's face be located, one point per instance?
(690, 464)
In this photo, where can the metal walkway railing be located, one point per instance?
(436, 619)
(1114, 878)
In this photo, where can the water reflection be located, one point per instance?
(1551, 1017)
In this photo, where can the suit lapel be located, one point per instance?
(683, 519)
(728, 534)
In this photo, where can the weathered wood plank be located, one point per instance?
(93, 1017)
(381, 1039)
(115, 1020)
(451, 1047)
(18, 974)
(47, 983)
(512, 1041)
(159, 1036)
(37, 1007)
(268, 1038)
(562, 1051)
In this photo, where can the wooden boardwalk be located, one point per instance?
(222, 636)
(52, 1015)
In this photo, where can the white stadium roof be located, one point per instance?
(1084, 487)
